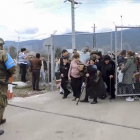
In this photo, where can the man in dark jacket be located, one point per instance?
(64, 54)
(108, 73)
(35, 69)
(64, 76)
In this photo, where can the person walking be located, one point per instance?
(43, 70)
(94, 84)
(64, 54)
(35, 69)
(23, 64)
(99, 62)
(4, 77)
(64, 76)
(75, 77)
(108, 73)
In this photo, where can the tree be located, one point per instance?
(58, 52)
(13, 52)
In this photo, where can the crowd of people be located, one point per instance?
(100, 76)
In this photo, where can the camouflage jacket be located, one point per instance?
(4, 73)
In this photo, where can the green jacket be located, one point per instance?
(129, 69)
(3, 70)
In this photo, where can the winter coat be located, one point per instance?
(98, 64)
(128, 71)
(121, 60)
(107, 70)
(95, 88)
(64, 70)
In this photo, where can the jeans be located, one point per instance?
(43, 75)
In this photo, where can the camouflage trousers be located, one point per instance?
(3, 99)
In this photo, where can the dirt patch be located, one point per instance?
(27, 92)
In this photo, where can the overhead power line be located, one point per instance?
(56, 9)
(48, 4)
(35, 36)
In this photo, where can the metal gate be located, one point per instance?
(127, 39)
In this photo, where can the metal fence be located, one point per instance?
(127, 38)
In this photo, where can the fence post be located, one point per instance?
(52, 63)
(116, 48)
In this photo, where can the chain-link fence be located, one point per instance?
(127, 47)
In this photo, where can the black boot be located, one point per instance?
(3, 121)
(94, 101)
(64, 97)
(84, 101)
(112, 98)
(103, 97)
(61, 93)
(1, 132)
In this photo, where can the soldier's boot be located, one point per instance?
(1, 132)
(3, 121)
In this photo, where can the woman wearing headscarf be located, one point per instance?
(94, 84)
(108, 74)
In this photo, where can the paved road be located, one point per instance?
(48, 117)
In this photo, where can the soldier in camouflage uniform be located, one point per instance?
(4, 76)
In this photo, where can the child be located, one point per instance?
(64, 76)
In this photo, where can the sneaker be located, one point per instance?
(77, 100)
(74, 99)
(129, 99)
(3, 121)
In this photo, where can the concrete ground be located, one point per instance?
(48, 117)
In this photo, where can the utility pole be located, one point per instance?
(111, 43)
(94, 37)
(73, 21)
(121, 32)
(18, 42)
